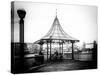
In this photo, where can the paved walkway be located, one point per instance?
(63, 66)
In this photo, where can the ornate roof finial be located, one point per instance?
(56, 12)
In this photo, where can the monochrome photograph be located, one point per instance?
(51, 37)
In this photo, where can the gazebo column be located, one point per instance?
(72, 50)
(59, 48)
(50, 48)
(47, 50)
(41, 45)
(62, 48)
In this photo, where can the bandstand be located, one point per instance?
(56, 35)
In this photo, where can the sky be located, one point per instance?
(79, 21)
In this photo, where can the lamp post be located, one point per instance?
(21, 13)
